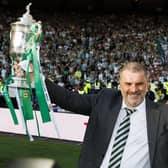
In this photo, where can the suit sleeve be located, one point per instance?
(81, 104)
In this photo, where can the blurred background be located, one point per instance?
(92, 5)
(85, 44)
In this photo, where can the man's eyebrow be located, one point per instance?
(137, 83)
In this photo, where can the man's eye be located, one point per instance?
(139, 84)
(128, 84)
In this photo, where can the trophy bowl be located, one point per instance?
(19, 34)
(18, 38)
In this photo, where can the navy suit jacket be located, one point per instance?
(103, 109)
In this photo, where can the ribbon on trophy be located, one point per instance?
(25, 36)
(8, 100)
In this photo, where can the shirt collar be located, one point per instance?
(140, 107)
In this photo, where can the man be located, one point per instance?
(146, 143)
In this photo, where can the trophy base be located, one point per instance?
(18, 83)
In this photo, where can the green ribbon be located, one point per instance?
(26, 103)
(44, 109)
(9, 101)
(31, 55)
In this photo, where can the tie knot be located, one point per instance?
(129, 111)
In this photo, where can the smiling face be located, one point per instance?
(133, 85)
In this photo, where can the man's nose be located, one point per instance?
(134, 88)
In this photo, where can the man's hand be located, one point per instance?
(20, 69)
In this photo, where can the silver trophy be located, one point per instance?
(26, 73)
(20, 32)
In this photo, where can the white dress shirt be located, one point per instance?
(136, 153)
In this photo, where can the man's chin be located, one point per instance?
(134, 103)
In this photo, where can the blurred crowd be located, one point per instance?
(84, 52)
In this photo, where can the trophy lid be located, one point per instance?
(26, 19)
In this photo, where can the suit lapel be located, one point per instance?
(112, 116)
(152, 115)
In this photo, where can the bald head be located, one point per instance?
(133, 67)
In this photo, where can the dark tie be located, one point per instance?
(120, 140)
